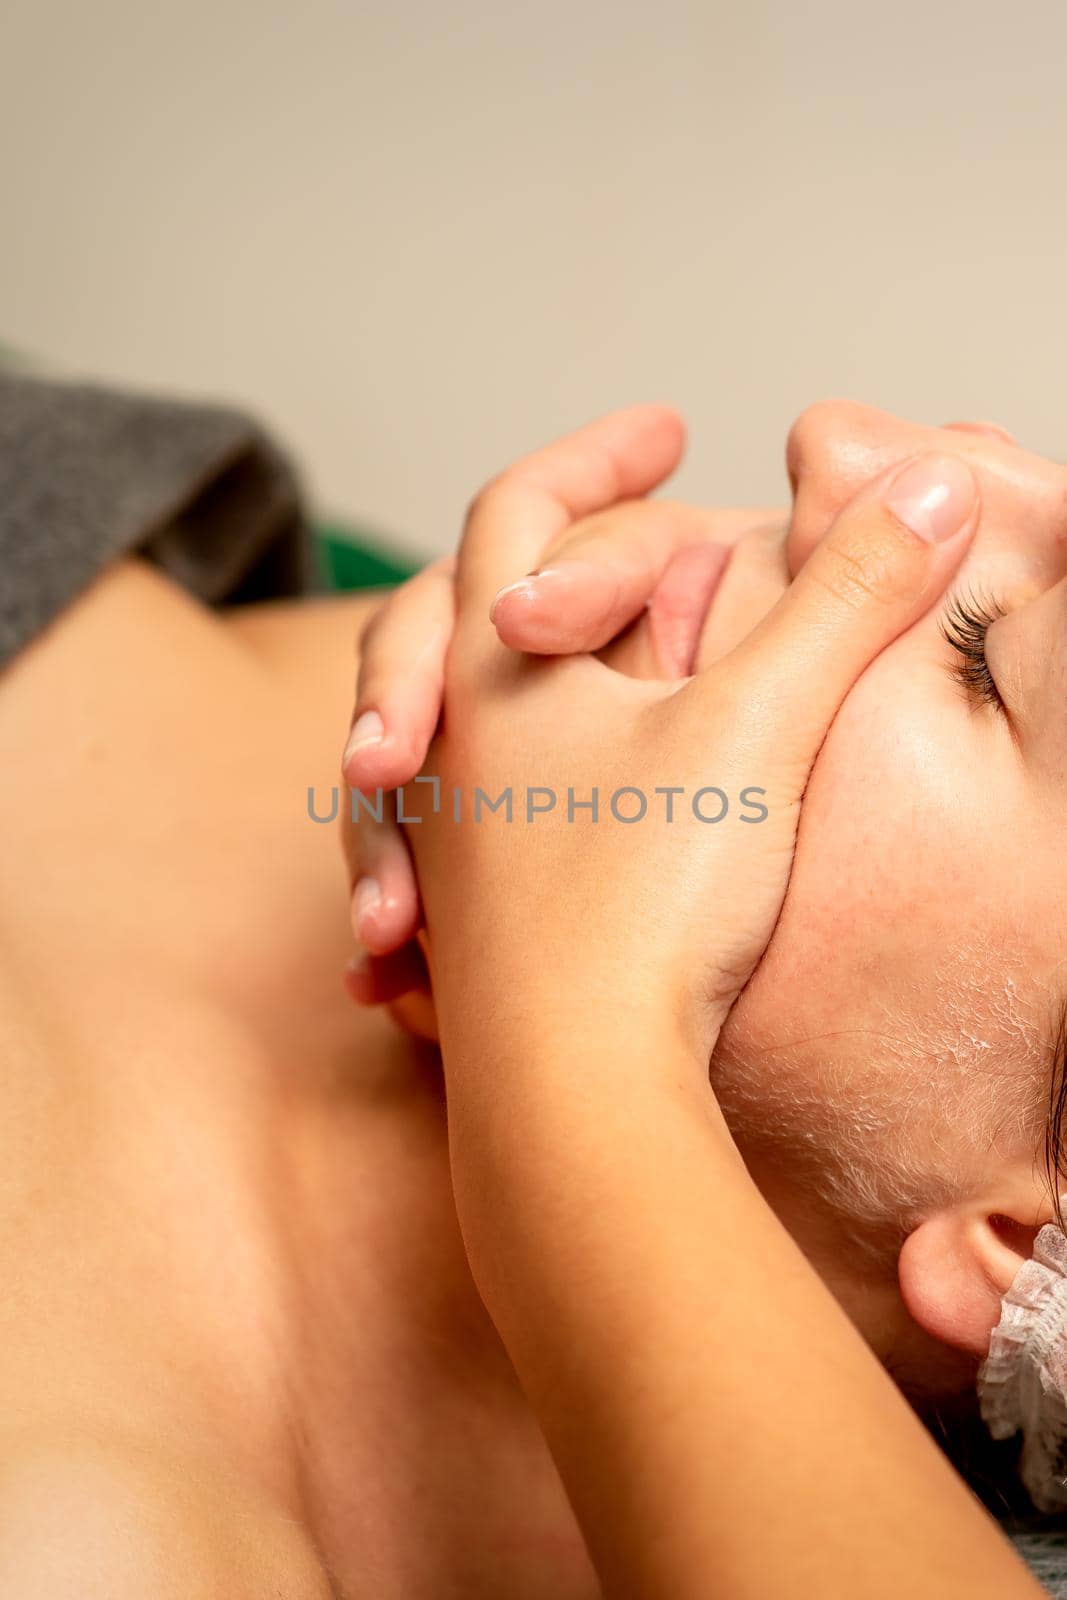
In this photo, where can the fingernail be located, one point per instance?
(366, 730)
(933, 497)
(366, 898)
(356, 978)
(547, 582)
(526, 587)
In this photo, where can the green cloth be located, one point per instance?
(350, 560)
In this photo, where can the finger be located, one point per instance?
(889, 554)
(605, 570)
(662, 642)
(401, 681)
(379, 980)
(400, 982)
(515, 518)
(384, 896)
(414, 1012)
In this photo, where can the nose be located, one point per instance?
(836, 447)
(833, 449)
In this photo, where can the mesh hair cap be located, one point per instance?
(1022, 1384)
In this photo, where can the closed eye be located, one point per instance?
(964, 626)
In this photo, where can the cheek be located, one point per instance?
(904, 998)
(886, 875)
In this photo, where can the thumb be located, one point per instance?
(886, 559)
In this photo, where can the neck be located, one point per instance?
(418, 1446)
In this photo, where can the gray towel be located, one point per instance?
(1045, 1552)
(89, 474)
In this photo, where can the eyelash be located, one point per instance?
(964, 626)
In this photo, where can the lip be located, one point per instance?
(682, 603)
(750, 584)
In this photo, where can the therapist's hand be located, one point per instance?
(632, 580)
(534, 922)
(640, 574)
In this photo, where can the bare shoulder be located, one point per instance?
(83, 1518)
(311, 647)
(321, 626)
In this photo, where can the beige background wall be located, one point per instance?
(421, 237)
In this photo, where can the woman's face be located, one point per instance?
(900, 1028)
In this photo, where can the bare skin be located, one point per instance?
(242, 1351)
(244, 1354)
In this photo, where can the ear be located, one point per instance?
(956, 1267)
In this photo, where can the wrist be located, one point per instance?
(554, 1037)
(530, 1005)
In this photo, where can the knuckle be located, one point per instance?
(444, 568)
(368, 640)
(491, 499)
(868, 566)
